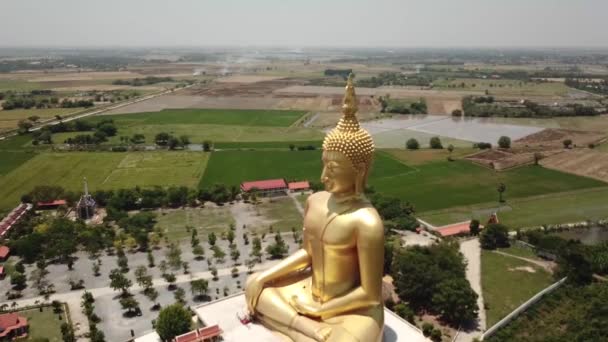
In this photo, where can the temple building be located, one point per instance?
(85, 208)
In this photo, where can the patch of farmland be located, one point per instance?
(247, 79)
(584, 162)
(104, 170)
(244, 117)
(394, 92)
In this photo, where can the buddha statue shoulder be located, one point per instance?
(330, 289)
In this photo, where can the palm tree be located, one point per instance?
(501, 188)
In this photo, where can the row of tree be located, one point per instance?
(485, 107)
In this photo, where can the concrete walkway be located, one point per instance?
(471, 249)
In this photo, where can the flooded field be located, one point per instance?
(462, 129)
(590, 236)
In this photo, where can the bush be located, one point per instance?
(567, 143)
(504, 142)
(405, 312)
(427, 329)
(435, 143)
(456, 112)
(412, 144)
(482, 145)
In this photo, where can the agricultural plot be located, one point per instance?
(508, 282)
(572, 206)
(459, 182)
(11, 160)
(10, 118)
(504, 87)
(103, 171)
(584, 162)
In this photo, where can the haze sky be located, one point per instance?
(340, 23)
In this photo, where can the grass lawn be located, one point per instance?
(10, 160)
(291, 165)
(10, 118)
(104, 170)
(204, 220)
(565, 314)
(505, 285)
(283, 214)
(571, 206)
(44, 325)
(520, 252)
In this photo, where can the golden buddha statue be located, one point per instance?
(330, 289)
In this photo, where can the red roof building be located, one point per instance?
(460, 228)
(52, 204)
(299, 186)
(265, 186)
(12, 326)
(207, 334)
(4, 252)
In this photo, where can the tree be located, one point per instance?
(25, 125)
(230, 236)
(214, 272)
(567, 143)
(457, 112)
(405, 312)
(206, 145)
(450, 149)
(504, 142)
(152, 295)
(186, 267)
(199, 252)
(218, 254)
(412, 144)
(435, 143)
(250, 263)
(129, 303)
(173, 143)
(256, 251)
(172, 321)
(278, 249)
(141, 276)
(180, 295)
(501, 189)
(170, 278)
(150, 259)
(537, 157)
(118, 281)
(34, 118)
(18, 280)
(235, 254)
(199, 288)
(184, 140)
(174, 256)
(474, 227)
(494, 236)
(162, 138)
(211, 238)
(455, 301)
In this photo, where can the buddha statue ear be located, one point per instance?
(361, 178)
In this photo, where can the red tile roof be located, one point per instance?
(52, 203)
(269, 184)
(212, 331)
(304, 185)
(4, 251)
(9, 322)
(454, 229)
(187, 337)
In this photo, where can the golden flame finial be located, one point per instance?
(349, 105)
(348, 137)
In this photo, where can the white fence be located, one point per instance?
(521, 309)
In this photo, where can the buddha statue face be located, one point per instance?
(339, 175)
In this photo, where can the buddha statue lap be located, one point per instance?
(330, 289)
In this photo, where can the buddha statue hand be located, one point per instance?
(252, 293)
(305, 308)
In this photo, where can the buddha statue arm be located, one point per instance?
(370, 250)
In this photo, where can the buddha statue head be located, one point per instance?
(348, 150)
